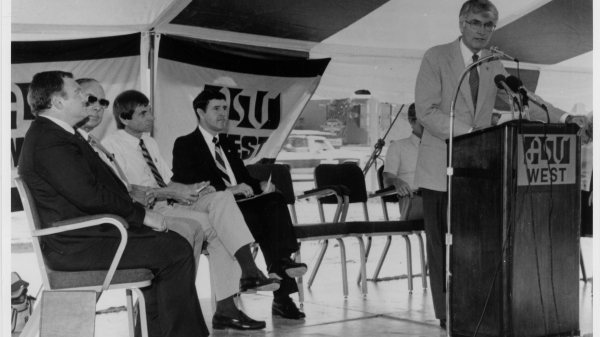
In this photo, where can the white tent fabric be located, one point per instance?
(380, 52)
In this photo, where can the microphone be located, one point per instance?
(515, 84)
(497, 51)
(500, 81)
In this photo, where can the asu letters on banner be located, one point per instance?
(265, 96)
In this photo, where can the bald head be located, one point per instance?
(95, 111)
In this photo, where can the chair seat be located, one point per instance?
(81, 279)
(375, 227)
(305, 231)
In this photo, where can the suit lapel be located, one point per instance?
(204, 151)
(458, 66)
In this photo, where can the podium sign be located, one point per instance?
(515, 231)
(546, 159)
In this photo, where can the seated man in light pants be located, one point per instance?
(230, 255)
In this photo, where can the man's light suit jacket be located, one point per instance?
(436, 83)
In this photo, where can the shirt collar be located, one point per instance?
(61, 123)
(84, 133)
(207, 136)
(467, 54)
(415, 140)
(129, 138)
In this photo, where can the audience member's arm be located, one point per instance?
(76, 181)
(402, 187)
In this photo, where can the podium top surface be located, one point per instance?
(527, 127)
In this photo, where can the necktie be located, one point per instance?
(146, 154)
(221, 163)
(474, 82)
(96, 144)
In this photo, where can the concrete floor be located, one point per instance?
(389, 308)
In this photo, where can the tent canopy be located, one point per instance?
(374, 44)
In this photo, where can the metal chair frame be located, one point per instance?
(32, 328)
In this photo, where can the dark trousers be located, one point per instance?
(269, 221)
(172, 305)
(434, 215)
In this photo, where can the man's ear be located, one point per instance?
(57, 102)
(124, 121)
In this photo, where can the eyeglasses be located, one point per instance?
(476, 24)
(91, 99)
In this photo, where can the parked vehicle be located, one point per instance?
(334, 138)
(302, 153)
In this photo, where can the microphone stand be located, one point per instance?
(450, 173)
(379, 146)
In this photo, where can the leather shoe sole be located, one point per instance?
(296, 271)
(259, 284)
(220, 322)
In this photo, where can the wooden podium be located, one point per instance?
(515, 224)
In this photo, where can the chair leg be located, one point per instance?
(359, 276)
(130, 312)
(582, 264)
(409, 263)
(344, 271)
(32, 328)
(388, 243)
(143, 320)
(318, 264)
(299, 282)
(363, 266)
(423, 261)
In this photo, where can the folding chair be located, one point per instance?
(351, 176)
(281, 177)
(96, 280)
(410, 209)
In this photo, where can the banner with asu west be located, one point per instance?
(265, 97)
(113, 61)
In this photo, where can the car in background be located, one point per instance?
(303, 152)
(334, 139)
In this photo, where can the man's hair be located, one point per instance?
(126, 103)
(82, 81)
(477, 6)
(43, 87)
(412, 112)
(201, 101)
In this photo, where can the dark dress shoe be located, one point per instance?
(286, 309)
(289, 268)
(260, 283)
(220, 322)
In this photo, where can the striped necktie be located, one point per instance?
(474, 82)
(155, 173)
(221, 163)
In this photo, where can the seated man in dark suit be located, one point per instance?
(207, 155)
(69, 180)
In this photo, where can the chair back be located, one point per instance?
(280, 176)
(387, 198)
(348, 175)
(35, 223)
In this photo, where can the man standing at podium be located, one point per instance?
(436, 83)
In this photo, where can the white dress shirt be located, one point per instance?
(128, 155)
(211, 146)
(401, 159)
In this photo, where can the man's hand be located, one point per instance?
(142, 194)
(155, 220)
(403, 188)
(242, 188)
(266, 187)
(203, 188)
(181, 193)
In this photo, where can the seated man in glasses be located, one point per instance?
(436, 84)
(230, 254)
